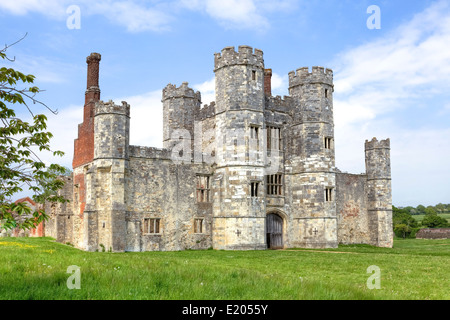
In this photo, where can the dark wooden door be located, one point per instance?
(274, 227)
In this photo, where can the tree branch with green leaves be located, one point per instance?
(21, 142)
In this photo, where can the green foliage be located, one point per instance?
(401, 230)
(434, 221)
(430, 210)
(420, 209)
(440, 208)
(20, 142)
(403, 223)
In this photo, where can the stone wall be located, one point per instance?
(439, 233)
(379, 194)
(351, 208)
(60, 223)
(159, 188)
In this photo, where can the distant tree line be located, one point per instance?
(420, 209)
(406, 226)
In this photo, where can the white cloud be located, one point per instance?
(52, 8)
(64, 127)
(239, 14)
(279, 84)
(207, 90)
(146, 119)
(137, 16)
(378, 82)
(236, 13)
(134, 16)
(415, 54)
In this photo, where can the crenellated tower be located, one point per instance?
(179, 108)
(312, 157)
(379, 196)
(104, 216)
(239, 206)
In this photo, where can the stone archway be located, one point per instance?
(274, 231)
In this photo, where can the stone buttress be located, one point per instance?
(379, 196)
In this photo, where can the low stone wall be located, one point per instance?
(441, 233)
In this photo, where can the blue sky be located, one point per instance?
(391, 82)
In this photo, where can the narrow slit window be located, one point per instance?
(254, 189)
(328, 193)
(328, 142)
(254, 135)
(198, 225)
(326, 93)
(253, 75)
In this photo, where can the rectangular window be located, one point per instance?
(198, 225)
(151, 225)
(328, 193)
(253, 75)
(273, 138)
(254, 135)
(254, 189)
(328, 142)
(274, 184)
(203, 188)
(326, 93)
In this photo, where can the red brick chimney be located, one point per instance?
(84, 145)
(268, 82)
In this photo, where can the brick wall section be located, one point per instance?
(84, 145)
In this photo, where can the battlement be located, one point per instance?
(110, 107)
(183, 91)
(207, 111)
(279, 104)
(245, 55)
(149, 153)
(375, 144)
(317, 75)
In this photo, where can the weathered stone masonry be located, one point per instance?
(249, 171)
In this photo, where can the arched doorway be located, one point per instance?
(274, 231)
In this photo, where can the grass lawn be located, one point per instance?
(36, 268)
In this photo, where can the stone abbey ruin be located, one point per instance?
(247, 172)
